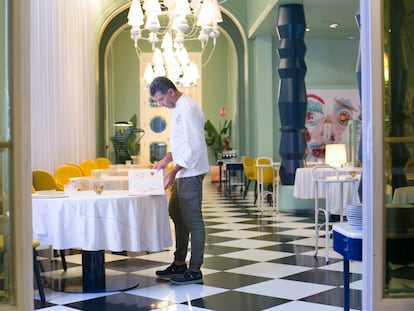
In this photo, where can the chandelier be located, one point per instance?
(167, 24)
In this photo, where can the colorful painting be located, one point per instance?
(328, 118)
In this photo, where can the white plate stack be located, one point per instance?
(354, 215)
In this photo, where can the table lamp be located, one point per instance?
(335, 155)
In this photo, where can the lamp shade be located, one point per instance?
(335, 155)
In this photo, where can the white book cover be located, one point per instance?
(146, 182)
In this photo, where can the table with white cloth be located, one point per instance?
(113, 220)
(403, 195)
(108, 182)
(304, 187)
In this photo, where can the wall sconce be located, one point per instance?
(335, 155)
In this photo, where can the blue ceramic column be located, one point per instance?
(291, 27)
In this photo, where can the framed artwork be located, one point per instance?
(332, 118)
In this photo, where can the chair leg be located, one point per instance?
(255, 192)
(246, 188)
(62, 256)
(37, 276)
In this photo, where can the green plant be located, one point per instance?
(134, 136)
(215, 137)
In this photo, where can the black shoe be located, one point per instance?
(172, 271)
(189, 277)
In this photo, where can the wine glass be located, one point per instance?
(98, 189)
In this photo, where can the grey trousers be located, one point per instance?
(185, 211)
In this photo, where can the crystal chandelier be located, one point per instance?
(186, 20)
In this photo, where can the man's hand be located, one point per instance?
(161, 164)
(169, 178)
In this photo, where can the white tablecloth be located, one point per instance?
(403, 195)
(111, 221)
(304, 187)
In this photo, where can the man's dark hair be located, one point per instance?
(161, 84)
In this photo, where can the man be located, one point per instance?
(188, 151)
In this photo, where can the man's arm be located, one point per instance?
(163, 163)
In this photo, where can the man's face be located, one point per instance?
(165, 100)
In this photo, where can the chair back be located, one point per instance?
(268, 173)
(77, 165)
(44, 180)
(66, 171)
(103, 162)
(329, 172)
(87, 166)
(249, 168)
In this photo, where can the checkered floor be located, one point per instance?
(253, 261)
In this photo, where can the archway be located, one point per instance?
(213, 90)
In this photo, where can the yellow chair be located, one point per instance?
(78, 166)
(66, 171)
(87, 166)
(103, 162)
(44, 180)
(250, 173)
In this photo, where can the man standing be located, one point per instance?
(188, 151)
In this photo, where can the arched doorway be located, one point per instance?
(219, 87)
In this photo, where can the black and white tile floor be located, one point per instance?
(253, 261)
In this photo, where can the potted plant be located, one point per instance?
(134, 136)
(215, 138)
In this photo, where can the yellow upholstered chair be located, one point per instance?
(77, 165)
(250, 173)
(103, 162)
(87, 166)
(66, 171)
(44, 180)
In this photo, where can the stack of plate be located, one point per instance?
(354, 215)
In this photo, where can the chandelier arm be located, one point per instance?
(193, 30)
(209, 56)
(138, 51)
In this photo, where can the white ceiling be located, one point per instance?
(318, 15)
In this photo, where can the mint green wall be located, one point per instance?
(218, 87)
(239, 10)
(264, 112)
(256, 8)
(124, 79)
(331, 63)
